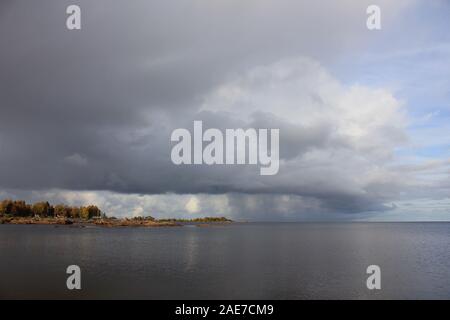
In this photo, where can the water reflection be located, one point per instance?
(248, 261)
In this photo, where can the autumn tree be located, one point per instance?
(20, 208)
(62, 210)
(90, 212)
(42, 209)
(6, 206)
(75, 212)
(15, 208)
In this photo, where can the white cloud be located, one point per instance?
(192, 206)
(362, 125)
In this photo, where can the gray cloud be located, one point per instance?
(94, 109)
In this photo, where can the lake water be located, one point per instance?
(242, 261)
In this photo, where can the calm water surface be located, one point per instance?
(242, 261)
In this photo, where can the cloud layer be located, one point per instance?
(87, 115)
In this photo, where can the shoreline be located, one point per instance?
(111, 222)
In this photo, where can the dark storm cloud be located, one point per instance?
(94, 109)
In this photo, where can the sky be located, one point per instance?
(86, 115)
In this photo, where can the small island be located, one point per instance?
(20, 212)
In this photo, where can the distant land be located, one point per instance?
(20, 212)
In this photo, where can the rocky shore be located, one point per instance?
(114, 222)
(104, 222)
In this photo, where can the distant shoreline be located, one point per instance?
(114, 222)
(43, 213)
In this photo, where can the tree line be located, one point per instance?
(19, 208)
(204, 219)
